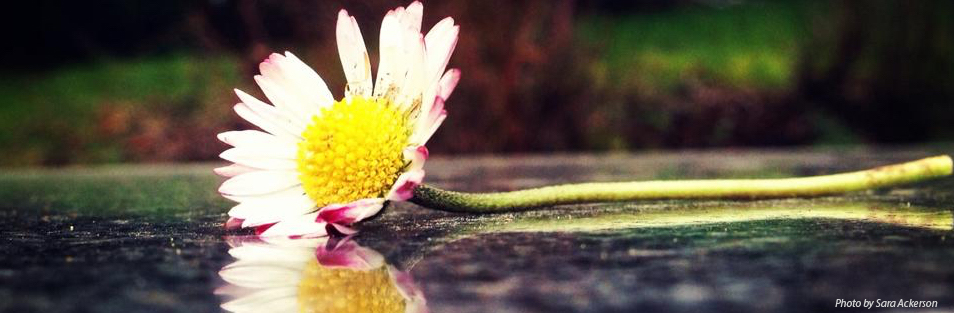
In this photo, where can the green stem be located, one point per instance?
(496, 202)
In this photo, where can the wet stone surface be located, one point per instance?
(150, 239)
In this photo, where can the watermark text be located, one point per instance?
(880, 303)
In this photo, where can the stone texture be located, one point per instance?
(149, 238)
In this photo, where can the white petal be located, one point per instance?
(231, 291)
(448, 82)
(305, 225)
(265, 150)
(233, 170)
(309, 83)
(279, 89)
(253, 138)
(297, 243)
(267, 252)
(265, 210)
(428, 122)
(354, 56)
(293, 191)
(426, 134)
(413, 87)
(391, 69)
(270, 300)
(269, 119)
(440, 88)
(425, 120)
(259, 158)
(259, 183)
(293, 86)
(277, 92)
(440, 41)
(412, 15)
(261, 274)
(282, 120)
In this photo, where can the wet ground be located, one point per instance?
(150, 239)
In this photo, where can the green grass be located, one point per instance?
(113, 190)
(754, 45)
(48, 113)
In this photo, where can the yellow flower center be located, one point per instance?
(353, 150)
(343, 290)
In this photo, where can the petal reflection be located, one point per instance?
(314, 275)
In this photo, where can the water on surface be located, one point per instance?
(149, 239)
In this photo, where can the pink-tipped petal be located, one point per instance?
(233, 223)
(434, 114)
(423, 153)
(263, 228)
(259, 183)
(416, 155)
(349, 254)
(410, 291)
(344, 230)
(293, 86)
(347, 214)
(404, 186)
(440, 42)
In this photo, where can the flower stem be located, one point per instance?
(497, 202)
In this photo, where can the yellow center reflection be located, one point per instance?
(343, 290)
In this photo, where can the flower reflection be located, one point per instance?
(314, 275)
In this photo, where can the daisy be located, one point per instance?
(318, 161)
(310, 275)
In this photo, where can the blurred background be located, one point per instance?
(151, 81)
